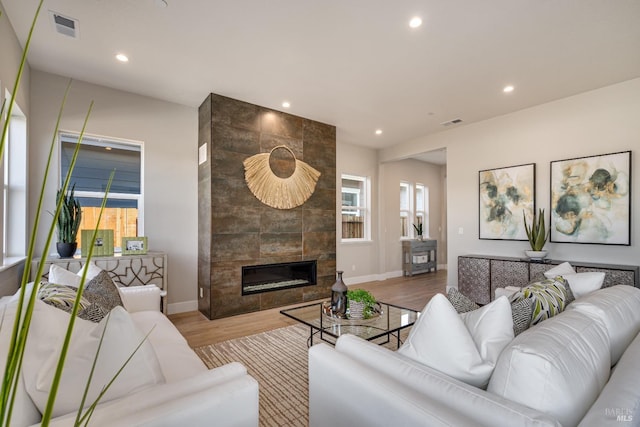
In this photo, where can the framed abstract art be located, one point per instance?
(506, 195)
(591, 199)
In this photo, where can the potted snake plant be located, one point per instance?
(537, 235)
(68, 223)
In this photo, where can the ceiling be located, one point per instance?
(355, 64)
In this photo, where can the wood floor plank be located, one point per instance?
(411, 292)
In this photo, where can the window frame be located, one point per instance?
(13, 180)
(364, 208)
(408, 212)
(104, 141)
(422, 211)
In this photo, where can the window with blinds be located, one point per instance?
(96, 159)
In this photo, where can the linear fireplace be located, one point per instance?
(273, 277)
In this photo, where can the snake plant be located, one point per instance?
(536, 233)
(70, 216)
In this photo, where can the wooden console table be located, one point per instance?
(124, 270)
(419, 256)
(480, 275)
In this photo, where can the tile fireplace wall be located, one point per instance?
(235, 229)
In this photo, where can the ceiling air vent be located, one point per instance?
(64, 24)
(452, 122)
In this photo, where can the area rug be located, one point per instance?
(278, 361)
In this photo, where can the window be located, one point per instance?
(96, 159)
(422, 197)
(405, 210)
(414, 209)
(14, 185)
(355, 208)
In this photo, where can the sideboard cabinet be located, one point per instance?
(480, 275)
(124, 270)
(419, 256)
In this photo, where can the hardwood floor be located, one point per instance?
(411, 292)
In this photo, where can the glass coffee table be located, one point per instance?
(389, 322)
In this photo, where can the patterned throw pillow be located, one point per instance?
(99, 297)
(461, 302)
(521, 312)
(61, 296)
(102, 291)
(549, 297)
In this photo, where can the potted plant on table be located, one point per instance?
(537, 235)
(362, 305)
(418, 228)
(68, 223)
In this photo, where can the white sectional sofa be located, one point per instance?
(184, 393)
(579, 367)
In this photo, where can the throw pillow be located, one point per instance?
(102, 291)
(61, 296)
(464, 346)
(461, 302)
(121, 337)
(584, 283)
(559, 270)
(92, 270)
(60, 276)
(549, 298)
(521, 312)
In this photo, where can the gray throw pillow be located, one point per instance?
(461, 302)
(521, 312)
(103, 292)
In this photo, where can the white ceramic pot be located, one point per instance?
(536, 254)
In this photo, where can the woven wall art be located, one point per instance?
(277, 192)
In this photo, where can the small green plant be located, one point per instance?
(365, 297)
(70, 216)
(537, 232)
(418, 228)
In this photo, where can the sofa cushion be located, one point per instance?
(558, 367)
(121, 338)
(468, 345)
(619, 402)
(584, 283)
(548, 296)
(487, 408)
(25, 412)
(619, 308)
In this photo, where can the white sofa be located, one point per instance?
(189, 394)
(557, 373)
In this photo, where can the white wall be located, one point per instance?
(358, 260)
(596, 122)
(10, 55)
(169, 133)
(391, 174)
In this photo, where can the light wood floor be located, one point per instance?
(411, 292)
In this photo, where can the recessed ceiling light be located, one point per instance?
(415, 22)
(161, 3)
(286, 104)
(508, 89)
(378, 131)
(122, 57)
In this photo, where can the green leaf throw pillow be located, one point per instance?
(549, 298)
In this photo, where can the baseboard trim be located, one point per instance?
(182, 307)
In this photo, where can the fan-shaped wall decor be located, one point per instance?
(279, 193)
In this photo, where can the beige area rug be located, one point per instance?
(278, 360)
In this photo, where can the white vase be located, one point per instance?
(536, 255)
